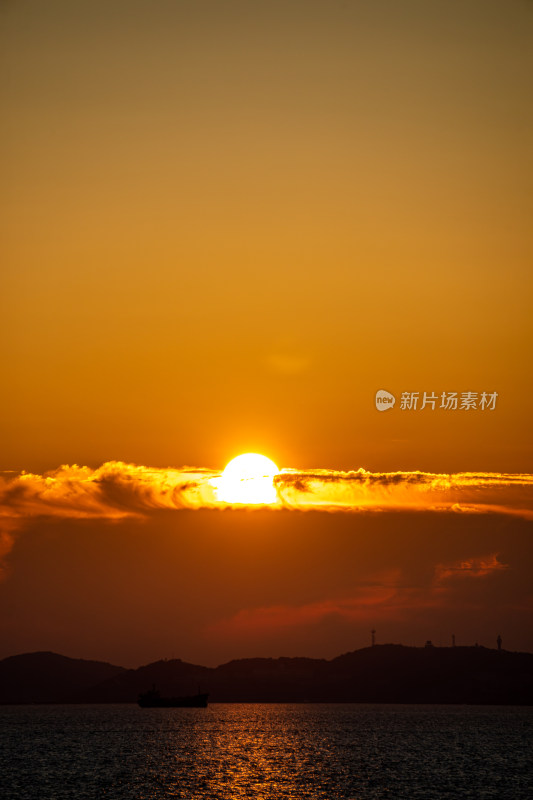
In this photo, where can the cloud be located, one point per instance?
(477, 567)
(117, 490)
(6, 543)
(362, 490)
(113, 491)
(385, 597)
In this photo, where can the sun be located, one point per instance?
(248, 479)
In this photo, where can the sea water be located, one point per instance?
(261, 751)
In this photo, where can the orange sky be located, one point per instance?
(224, 227)
(209, 586)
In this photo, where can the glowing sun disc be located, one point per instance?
(248, 479)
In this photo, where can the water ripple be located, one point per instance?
(266, 752)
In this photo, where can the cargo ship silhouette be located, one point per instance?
(153, 699)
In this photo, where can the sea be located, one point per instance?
(260, 751)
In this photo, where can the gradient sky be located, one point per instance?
(227, 224)
(209, 586)
(224, 226)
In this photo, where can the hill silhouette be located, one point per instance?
(379, 674)
(48, 677)
(174, 677)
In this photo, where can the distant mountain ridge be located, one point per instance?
(45, 677)
(379, 674)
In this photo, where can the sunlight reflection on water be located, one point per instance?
(266, 752)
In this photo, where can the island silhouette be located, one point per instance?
(387, 673)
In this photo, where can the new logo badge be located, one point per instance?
(384, 400)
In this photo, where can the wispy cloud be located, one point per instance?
(6, 543)
(477, 567)
(385, 597)
(113, 491)
(117, 490)
(363, 490)
(363, 607)
(388, 596)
